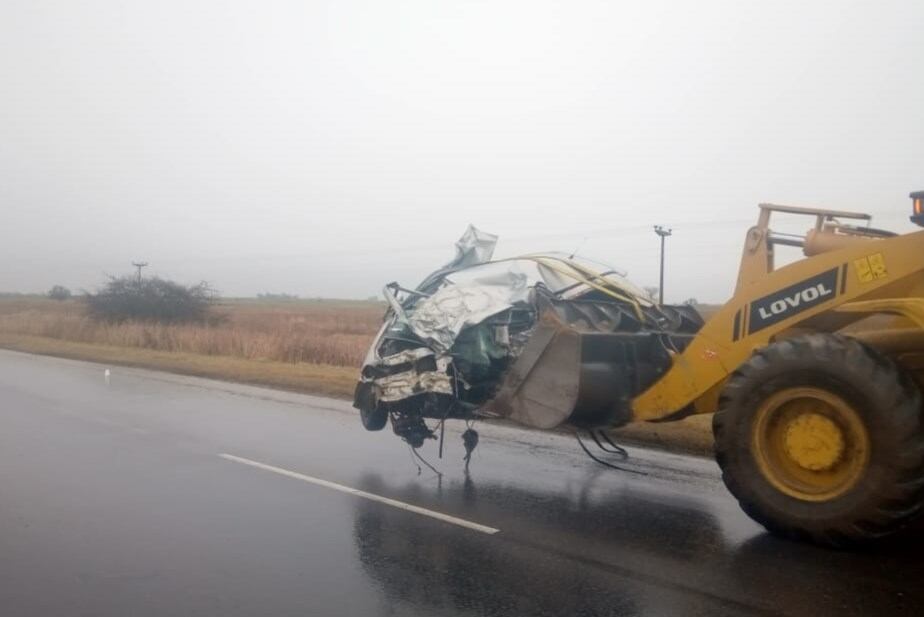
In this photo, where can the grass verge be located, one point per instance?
(692, 435)
(321, 379)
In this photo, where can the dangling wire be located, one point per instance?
(424, 461)
(442, 434)
(613, 447)
(413, 462)
(618, 451)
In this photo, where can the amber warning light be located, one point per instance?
(918, 217)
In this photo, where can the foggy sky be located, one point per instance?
(327, 148)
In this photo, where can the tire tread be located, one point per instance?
(897, 402)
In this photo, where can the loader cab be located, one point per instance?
(917, 198)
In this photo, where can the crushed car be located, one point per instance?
(543, 340)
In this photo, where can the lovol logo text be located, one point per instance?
(792, 300)
(805, 296)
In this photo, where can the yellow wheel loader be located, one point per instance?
(812, 370)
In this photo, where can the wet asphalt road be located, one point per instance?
(114, 501)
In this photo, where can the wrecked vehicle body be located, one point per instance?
(543, 340)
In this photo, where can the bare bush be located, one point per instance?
(59, 292)
(127, 298)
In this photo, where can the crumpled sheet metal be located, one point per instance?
(473, 248)
(440, 318)
(408, 355)
(466, 292)
(402, 385)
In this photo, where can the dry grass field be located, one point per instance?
(313, 346)
(304, 346)
(331, 332)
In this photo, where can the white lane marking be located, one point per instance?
(461, 522)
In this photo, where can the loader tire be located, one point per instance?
(821, 438)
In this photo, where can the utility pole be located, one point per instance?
(663, 232)
(139, 265)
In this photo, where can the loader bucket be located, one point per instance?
(542, 387)
(572, 374)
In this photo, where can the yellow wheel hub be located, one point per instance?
(810, 443)
(813, 441)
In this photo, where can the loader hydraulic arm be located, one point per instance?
(843, 264)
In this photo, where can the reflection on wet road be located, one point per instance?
(115, 501)
(623, 555)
